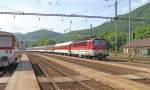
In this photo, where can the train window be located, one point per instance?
(99, 42)
(10, 51)
(78, 44)
(75, 44)
(6, 51)
(6, 41)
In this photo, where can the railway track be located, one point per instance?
(139, 64)
(53, 70)
(124, 60)
(97, 66)
(136, 62)
(114, 70)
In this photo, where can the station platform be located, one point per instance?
(24, 77)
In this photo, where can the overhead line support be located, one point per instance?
(73, 15)
(63, 15)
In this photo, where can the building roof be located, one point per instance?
(6, 33)
(139, 43)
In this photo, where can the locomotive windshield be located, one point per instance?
(6, 41)
(99, 42)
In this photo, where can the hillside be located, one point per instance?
(107, 28)
(19, 36)
(36, 35)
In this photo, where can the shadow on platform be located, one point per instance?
(24, 66)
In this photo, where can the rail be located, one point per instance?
(52, 81)
(66, 74)
(69, 75)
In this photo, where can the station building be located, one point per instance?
(138, 47)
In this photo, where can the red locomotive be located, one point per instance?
(96, 47)
(92, 48)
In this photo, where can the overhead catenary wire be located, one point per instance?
(2, 6)
(93, 9)
(72, 15)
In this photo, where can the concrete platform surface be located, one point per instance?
(24, 77)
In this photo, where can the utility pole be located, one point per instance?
(129, 57)
(116, 29)
(91, 27)
(70, 25)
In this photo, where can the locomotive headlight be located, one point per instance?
(10, 51)
(6, 51)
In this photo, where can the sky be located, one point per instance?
(25, 24)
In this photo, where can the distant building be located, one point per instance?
(138, 47)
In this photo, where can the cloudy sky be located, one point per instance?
(26, 24)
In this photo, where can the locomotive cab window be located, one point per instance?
(98, 42)
(6, 41)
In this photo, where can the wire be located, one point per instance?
(80, 4)
(54, 4)
(10, 9)
(94, 9)
(68, 15)
(88, 10)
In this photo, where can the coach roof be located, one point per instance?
(64, 44)
(6, 33)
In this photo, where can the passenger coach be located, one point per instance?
(7, 48)
(63, 48)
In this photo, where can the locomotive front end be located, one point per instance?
(100, 48)
(7, 50)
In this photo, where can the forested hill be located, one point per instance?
(36, 35)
